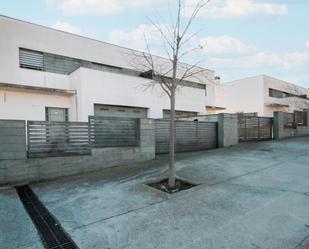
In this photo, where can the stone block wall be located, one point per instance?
(13, 139)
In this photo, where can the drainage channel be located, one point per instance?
(49, 229)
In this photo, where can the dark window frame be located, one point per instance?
(59, 64)
(178, 114)
(66, 112)
(275, 93)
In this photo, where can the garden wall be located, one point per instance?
(19, 169)
(282, 129)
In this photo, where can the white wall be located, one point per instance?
(245, 95)
(96, 87)
(252, 95)
(40, 38)
(19, 34)
(92, 86)
(211, 95)
(29, 106)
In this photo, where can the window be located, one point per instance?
(61, 64)
(56, 114)
(156, 77)
(31, 59)
(178, 114)
(119, 111)
(278, 94)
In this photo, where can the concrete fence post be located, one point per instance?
(277, 124)
(147, 137)
(227, 130)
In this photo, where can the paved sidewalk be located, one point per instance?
(255, 195)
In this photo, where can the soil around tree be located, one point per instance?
(180, 185)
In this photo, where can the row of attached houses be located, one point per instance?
(47, 74)
(54, 75)
(262, 95)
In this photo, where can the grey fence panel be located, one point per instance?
(114, 132)
(207, 133)
(255, 128)
(265, 128)
(162, 136)
(190, 136)
(47, 139)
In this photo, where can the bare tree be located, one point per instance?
(170, 73)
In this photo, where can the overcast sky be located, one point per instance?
(239, 38)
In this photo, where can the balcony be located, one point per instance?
(277, 102)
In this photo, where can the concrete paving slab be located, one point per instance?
(254, 195)
(286, 177)
(280, 224)
(225, 216)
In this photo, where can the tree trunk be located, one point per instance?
(172, 170)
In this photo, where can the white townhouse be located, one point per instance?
(262, 95)
(47, 74)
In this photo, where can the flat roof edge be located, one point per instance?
(36, 89)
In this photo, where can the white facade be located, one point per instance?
(256, 95)
(24, 93)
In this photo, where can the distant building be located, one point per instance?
(262, 95)
(46, 74)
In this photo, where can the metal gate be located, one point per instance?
(190, 136)
(255, 128)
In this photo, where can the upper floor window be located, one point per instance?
(57, 63)
(179, 114)
(60, 64)
(31, 59)
(278, 94)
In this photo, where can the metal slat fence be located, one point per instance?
(255, 128)
(46, 139)
(190, 136)
(113, 132)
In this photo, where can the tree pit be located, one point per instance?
(180, 185)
